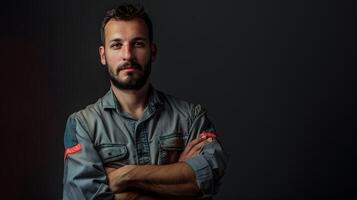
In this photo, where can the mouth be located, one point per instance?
(130, 69)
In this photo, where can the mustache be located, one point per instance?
(129, 64)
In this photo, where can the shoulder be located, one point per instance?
(89, 114)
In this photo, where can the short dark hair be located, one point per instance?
(126, 11)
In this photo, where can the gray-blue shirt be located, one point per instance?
(102, 135)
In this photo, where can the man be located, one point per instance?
(137, 142)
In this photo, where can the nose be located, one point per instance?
(127, 52)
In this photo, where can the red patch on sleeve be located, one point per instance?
(71, 150)
(208, 134)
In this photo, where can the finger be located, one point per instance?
(197, 148)
(210, 139)
(193, 143)
(196, 141)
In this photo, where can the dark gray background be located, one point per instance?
(272, 74)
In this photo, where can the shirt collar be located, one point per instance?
(109, 101)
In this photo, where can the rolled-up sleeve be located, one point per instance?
(84, 175)
(210, 164)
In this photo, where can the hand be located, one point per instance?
(193, 148)
(127, 195)
(118, 179)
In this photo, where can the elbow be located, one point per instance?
(210, 167)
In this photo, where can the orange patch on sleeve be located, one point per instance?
(71, 150)
(207, 134)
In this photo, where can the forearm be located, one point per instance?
(174, 180)
(133, 195)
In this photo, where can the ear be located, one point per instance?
(102, 55)
(153, 52)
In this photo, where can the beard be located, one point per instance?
(134, 81)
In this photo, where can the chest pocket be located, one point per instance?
(171, 146)
(113, 155)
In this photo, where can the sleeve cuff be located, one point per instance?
(204, 175)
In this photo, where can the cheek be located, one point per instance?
(144, 57)
(112, 59)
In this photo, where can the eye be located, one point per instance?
(116, 45)
(139, 44)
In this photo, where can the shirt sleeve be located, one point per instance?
(84, 175)
(210, 164)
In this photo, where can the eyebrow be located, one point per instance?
(134, 39)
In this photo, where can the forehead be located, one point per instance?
(126, 29)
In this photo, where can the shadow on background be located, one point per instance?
(273, 76)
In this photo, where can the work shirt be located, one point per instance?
(102, 135)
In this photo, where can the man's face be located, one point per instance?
(127, 53)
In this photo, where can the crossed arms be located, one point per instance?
(196, 174)
(173, 181)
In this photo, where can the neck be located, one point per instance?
(133, 101)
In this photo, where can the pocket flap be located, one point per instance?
(172, 141)
(112, 152)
